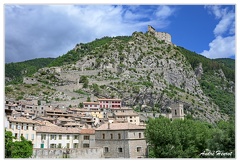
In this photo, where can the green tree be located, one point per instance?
(88, 99)
(80, 105)
(17, 149)
(84, 80)
(177, 139)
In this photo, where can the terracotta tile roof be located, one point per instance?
(22, 120)
(120, 126)
(65, 119)
(45, 123)
(57, 129)
(126, 114)
(55, 110)
(72, 124)
(122, 108)
(87, 131)
(46, 118)
(75, 109)
(81, 110)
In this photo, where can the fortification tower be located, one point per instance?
(160, 35)
(177, 111)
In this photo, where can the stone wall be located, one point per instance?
(29, 80)
(82, 153)
(160, 35)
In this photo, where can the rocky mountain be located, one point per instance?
(145, 70)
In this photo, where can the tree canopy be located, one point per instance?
(17, 149)
(188, 138)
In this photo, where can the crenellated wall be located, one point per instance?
(160, 35)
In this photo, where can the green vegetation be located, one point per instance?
(84, 80)
(188, 138)
(209, 64)
(85, 49)
(81, 92)
(16, 71)
(17, 149)
(230, 63)
(214, 87)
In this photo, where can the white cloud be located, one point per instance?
(51, 30)
(164, 12)
(224, 24)
(221, 47)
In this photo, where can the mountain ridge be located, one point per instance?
(147, 73)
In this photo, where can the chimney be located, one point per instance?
(108, 125)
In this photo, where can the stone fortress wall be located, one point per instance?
(160, 35)
(80, 153)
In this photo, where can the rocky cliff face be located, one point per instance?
(142, 71)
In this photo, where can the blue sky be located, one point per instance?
(40, 31)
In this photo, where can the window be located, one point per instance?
(68, 137)
(27, 127)
(130, 116)
(16, 135)
(120, 149)
(140, 135)
(60, 137)
(52, 145)
(32, 136)
(175, 112)
(22, 127)
(53, 137)
(139, 149)
(130, 120)
(85, 145)
(43, 136)
(33, 127)
(59, 145)
(75, 137)
(111, 136)
(86, 137)
(26, 136)
(68, 145)
(10, 125)
(16, 125)
(119, 136)
(105, 149)
(75, 145)
(103, 136)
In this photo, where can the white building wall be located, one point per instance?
(28, 134)
(47, 142)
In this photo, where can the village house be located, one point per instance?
(121, 140)
(22, 126)
(87, 138)
(130, 117)
(110, 103)
(57, 137)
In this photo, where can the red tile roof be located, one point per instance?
(120, 126)
(87, 131)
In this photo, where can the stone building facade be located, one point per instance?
(121, 140)
(177, 111)
(160, 35)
